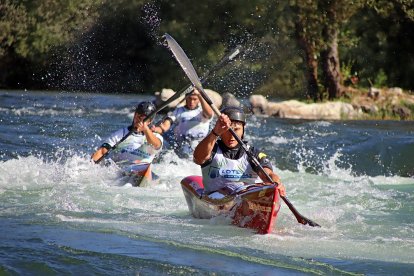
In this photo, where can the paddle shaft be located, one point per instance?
(299, 217)
(232, 55)
(188, 89)
(189, 70)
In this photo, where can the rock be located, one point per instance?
(230, 100)
(369, 108)
(396, 91)
(374, 93)
(393, 100)
(316, 111)
(348, 111)
(164, 95)
(285, 109)
(215, 97)
(401, 111)
(258, 104)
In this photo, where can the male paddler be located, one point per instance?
(190, 123)
(225, 166)
(136, 153)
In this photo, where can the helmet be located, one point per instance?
(235, 113)
(145, 108)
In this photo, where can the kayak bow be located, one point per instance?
(255, 207)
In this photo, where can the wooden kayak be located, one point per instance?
(256, 207)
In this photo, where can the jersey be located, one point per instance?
(133, 150)
(231, 169)
(189, 123)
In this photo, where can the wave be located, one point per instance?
(354, 211)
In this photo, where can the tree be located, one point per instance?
(335, 14)
(307, 25)
(30, 29)
(318, 24)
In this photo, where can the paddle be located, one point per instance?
(232, 55)
(189, 70)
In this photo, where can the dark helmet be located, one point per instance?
(235, 113)
(145, 108)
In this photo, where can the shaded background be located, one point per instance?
(115, 46)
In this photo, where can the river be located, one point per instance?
(62, 214)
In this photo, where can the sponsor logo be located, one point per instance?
(262, 193)
(226, 173)
(258, 207)
(229, 173)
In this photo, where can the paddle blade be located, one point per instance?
(183, 60)
(298, 216)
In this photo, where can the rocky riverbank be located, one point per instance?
(376, 104)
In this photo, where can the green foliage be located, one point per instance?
(102, 45)
(380, 79)
(14, 28)
(384, 44)
(346, 69)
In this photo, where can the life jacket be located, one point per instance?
(133, 150)
(223, 172)
(189, 123)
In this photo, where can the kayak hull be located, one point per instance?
(255, 208)
(141, 175)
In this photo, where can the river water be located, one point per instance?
(62, 214)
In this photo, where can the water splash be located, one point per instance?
(152, 20)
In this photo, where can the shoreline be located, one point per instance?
(374, 104)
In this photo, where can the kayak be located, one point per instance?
(256, 207)
(140, 174)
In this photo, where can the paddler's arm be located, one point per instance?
(151, 138)
(275, 178)
(163, 127)
(207, 111)
(99, 153)
(202, 152)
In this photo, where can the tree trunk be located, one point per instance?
(312, 91)
(330, 64)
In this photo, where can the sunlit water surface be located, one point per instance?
(60, 213)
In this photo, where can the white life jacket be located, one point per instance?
(189, 123)
(133, 150)
(225, 172)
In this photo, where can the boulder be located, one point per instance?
(396, 91)
(215, 97)
(401, 111)
(374, 93)
(258, 104)
(164, 95)
(316, 111)
(230, 100)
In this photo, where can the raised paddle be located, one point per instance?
(189, 70)
(229, 57)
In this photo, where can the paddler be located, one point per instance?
(225, 165)
(138, 150)
(188, 124)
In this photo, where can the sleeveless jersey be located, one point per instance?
(135, 149)
(223, 172)
(189, 123)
